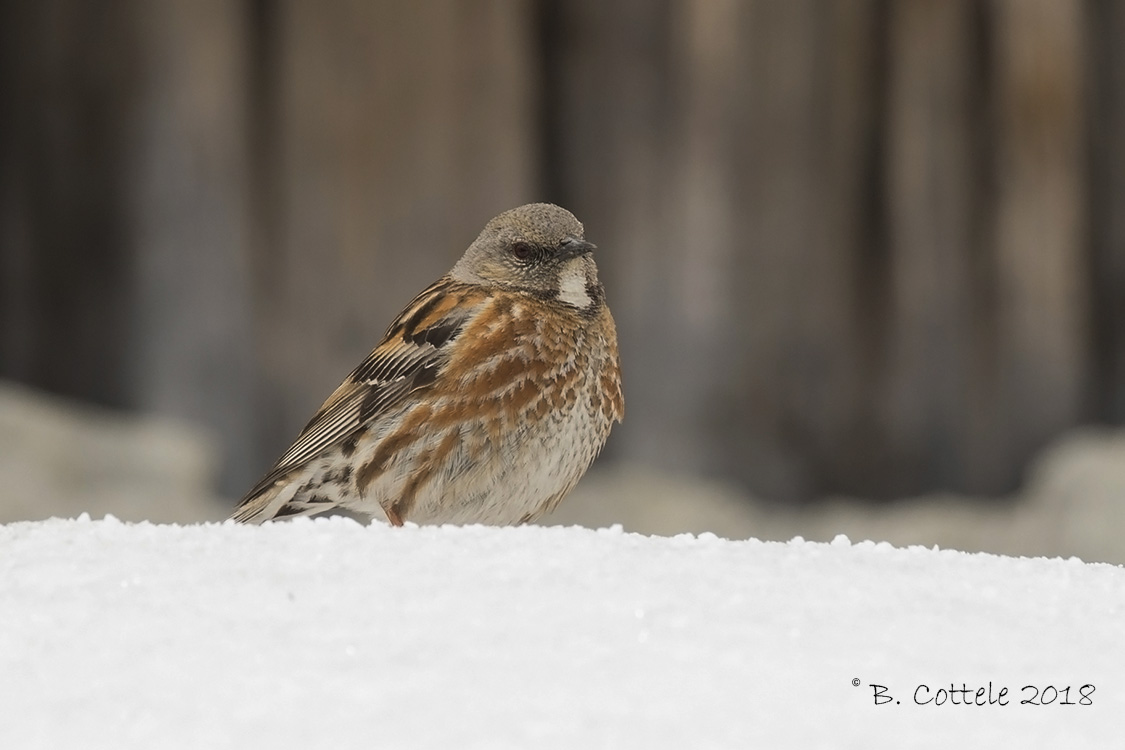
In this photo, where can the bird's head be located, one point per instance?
(540, 249)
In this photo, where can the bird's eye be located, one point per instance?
(521, 250)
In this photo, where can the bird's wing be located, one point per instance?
(410, 357)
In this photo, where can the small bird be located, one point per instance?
(486, 401)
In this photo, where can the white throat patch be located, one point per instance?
(572, 285)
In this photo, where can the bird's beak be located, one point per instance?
(572, 248)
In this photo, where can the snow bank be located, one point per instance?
(328, 633)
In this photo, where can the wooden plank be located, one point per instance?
(1106, 93)
(67, 83)
(1042, 293)
(936, 192)
(191, 337)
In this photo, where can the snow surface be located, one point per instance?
(328, 633)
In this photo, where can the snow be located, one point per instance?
(329, 633)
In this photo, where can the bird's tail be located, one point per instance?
(272, 502)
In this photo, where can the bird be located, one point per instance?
(485, 402)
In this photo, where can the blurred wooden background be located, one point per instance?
(855, 246)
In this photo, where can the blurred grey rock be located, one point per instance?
(1072, 504)
(648, 501)
(1078, 487)
(63, 458)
